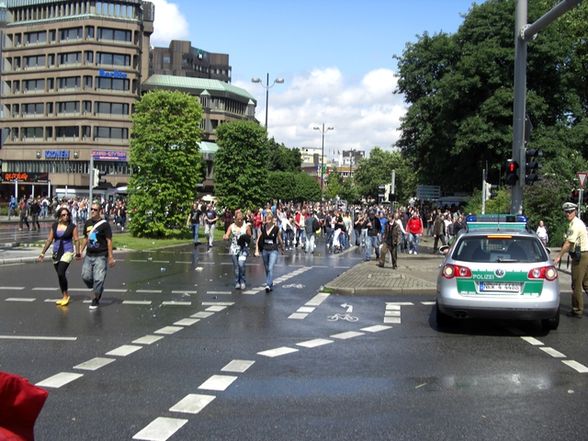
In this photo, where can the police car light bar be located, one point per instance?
(517, 222)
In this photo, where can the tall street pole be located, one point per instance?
(267, 87)
(323, 130)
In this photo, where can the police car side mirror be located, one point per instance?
(444, 249)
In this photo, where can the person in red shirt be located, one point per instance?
(414, 228)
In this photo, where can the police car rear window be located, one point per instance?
(499, 248)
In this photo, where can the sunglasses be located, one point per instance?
(568, 211)
(94, 209)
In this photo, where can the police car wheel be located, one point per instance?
(443, 320)
(552, 323)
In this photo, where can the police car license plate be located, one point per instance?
(514, 288)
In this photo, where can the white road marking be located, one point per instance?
(44, 288)
(307, 309)
(347, 335)
(392, 307)
(175, 303)
(192, 403)
(216, 308)
(160, 429)
(51, 300)
(552, 352)
(314, 343)
(79, 289)
(395, 320)
(136, 302)
(238, 366)
(277, 352)
(400, 303)
(428, 303)
(160, 261)
(219, 293)
(376, 328)
(58, 380)
(392, 313)
(36, 337)
(579, 367)
(202, 315)
(218, 303)
(184, 292)
(298, 316)
(94, 363)
(251, 292)
(218, 382)
(168, 330)
(318, 299)
(147, 339)
(183, 261)
(121, 290)
(533, 341)
(124, 350)
(186, 322)
(21, 299)
(149, 291)
(12, 288)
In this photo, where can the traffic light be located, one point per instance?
(512, 172)
(381, 193)
(493, 191)
(387, 189)
(532, 165)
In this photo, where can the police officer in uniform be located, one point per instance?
(576, 244)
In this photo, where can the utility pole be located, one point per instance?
(523, 33)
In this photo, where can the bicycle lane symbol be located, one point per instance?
(347, 316)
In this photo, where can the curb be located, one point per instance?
(380, 291)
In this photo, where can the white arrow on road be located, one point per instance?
(349, 307)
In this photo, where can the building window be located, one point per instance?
(32, 109)
(70, 58)
(89, 57)
(111, 133)
(71, 34)
(32, 133)
(68, 107)
(87, 82)
(36, 37)
(112, 108)
(120, 84)
(114, 35)
(90, 32)
(113, 59)
(67, 132)
(69, 83)
(34, 86)
(87, 106)
(34, 61)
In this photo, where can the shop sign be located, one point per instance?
(109, 155)
(24, 177)
(56, 154)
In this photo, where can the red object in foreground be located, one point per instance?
(20, 405)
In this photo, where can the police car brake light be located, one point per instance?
(545, 272)
(450, 271)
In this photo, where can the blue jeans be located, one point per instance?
(413, 242)
(371, 241)
(269, 260)
(238, 268)
(94, 273)
(195, 228)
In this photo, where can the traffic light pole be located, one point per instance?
(91, 173)
(523, 33)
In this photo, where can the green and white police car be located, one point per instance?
(497, 268)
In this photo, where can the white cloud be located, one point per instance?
(169, 24)
(364, 114)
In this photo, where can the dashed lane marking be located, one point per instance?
(94, 364)
(192, 403)
(175, 303)
(216, 308)
(202, 315)
(168, 330)
(318, 299)
(376, 328)
(12, 288)
(44, 288)
(552, 352)
(238, 366)
(219, 293)
(314, 343)
(218, 303)
(20, 299)
(298, 316)
(137, 302)
(277, 352)
(124, 350)
(218, 382)
(533, 341)
(184, 292)
(58, 380)
(186, 322)
(147, 339)
(578, 367)
(347, 335)
(149, 291)
(160, 429)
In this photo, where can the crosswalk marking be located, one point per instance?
(186, 322)
(218, 382)
(149, 291)
(192, 403)
(12, 288)
(168, 330)
(578, 367)
(160, 429)
(175, 303)
(317, 299)
(147, 339)
(20, 299)
(347, 335)
(238, 366)
(314, 343)
(376, 328)
(94, 363)
(552, 352)
(137, 302)
(533, 341)
(202, 314)
(277, 352)
(58, 380)
(124, 350)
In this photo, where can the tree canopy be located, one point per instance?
(166, 162)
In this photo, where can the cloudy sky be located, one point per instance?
(335, 56)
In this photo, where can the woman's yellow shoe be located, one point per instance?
(63, 302)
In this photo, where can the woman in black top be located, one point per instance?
(64, 234)
(268, 242)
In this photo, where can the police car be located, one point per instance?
(497, 268)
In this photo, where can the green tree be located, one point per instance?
(292, 186)
(377, 170)
(240, 170)
(166, 162)
(281, 158)
(333, 184)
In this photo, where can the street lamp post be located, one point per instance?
(323, 130)
(267, 87)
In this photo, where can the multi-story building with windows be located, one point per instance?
(183, 60)
(70, 73)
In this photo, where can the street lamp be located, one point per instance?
(323, 130)
(267, 87)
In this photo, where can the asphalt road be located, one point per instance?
(174, 352)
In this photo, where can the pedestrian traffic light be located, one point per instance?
(512, 172)
(493, 191)
(381, 193)
(532, 165)
(95, 177)
(387, 189)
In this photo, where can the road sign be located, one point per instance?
(428, 192)
(582, 178)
